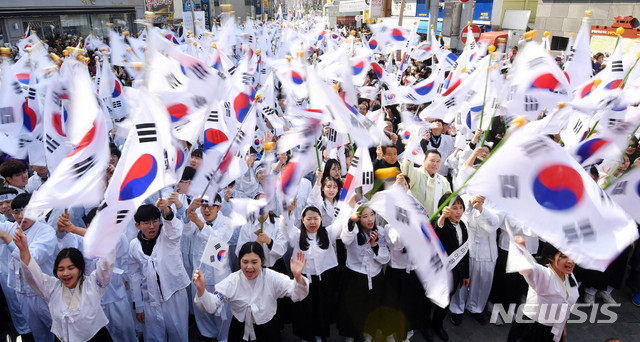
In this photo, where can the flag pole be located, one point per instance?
(255, 101)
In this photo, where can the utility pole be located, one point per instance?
(434, 6)
(400, 17)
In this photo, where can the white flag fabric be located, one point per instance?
(11, 102)
(360, 174)
(537, 181)
(55, 123)
(407, 216)
(79, 180)
(216, 253)
(578, 68)
(626, 192)
(142, 170)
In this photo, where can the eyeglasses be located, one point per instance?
(150, 223)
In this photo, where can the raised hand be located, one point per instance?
(163, 204)
(373, 238)
(173, 198)
(198, 281)
(297, 266)
(20, 240)
(263, 238)
(477, 201)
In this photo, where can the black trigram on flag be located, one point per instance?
(402, 215)
(450, 102)
(336, 211)
(116, 104)
(268, 111)
(238, 138)
(620, 188)
(6, 115)
(613, 122)
(227, 108)
(411, 98)
(200, 71)
(332, 135)
(579, 232)
(32, 94)
(509, 186)
(232, 70)
(616, 66)
(17, 88)
(436, 262)
(247, 78)
(173, 81)
(80, 168)
(147, 132)
(367, 178)
(578, 126)
(535, 147)
(531, 103)
(355, 161)
(213, 116)
(55, 97)
(23, 142)
(120, 216)
(199, 101)
(535, 62)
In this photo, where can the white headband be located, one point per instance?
(7, 197)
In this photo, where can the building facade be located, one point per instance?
(562, 17)
(60, 19)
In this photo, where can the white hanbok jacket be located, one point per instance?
(165, 261)
(252, 303)
(84, 321)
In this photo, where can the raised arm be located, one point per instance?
(205, 301)
(41, 283)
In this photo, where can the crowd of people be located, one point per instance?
(298, 263)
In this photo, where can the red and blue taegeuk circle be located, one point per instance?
(558, 187)
(140, 176)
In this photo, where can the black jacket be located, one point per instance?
(447, 236)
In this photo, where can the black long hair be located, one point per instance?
(362, 236)
(331, 179)
(77, 260)
(252, 247)
(322, 235)
(327, 168)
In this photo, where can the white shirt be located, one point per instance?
(326, 208)
(252, 302)
(398, 255)
(362, 258)
(81, 323)
(279, 246)
(165, 261)
(42, 245)
(549, 299)
(318, 259)
(33, 183)
(482, 228)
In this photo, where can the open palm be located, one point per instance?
(297, 265)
